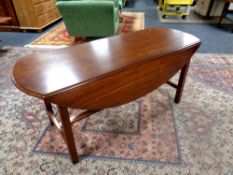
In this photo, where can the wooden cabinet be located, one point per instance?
(8, 18)
(36, 14)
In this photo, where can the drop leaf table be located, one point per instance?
(104, 73)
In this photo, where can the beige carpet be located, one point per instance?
(150, 136)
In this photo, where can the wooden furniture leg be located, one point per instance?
(65, 127)
(181, 83)
(49, 110)
(68, 134)
(210, 8)
(226, 6)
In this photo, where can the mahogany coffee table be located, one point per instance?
(104, 73)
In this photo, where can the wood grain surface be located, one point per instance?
(117, 69)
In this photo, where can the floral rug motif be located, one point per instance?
(141, 130)
(193, 137)
(59, 37)
(208, 71)
(124, 119)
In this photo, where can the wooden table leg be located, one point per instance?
(226, 6)
(49, 110)
(68, 134)
(181, 83)
(210, 8)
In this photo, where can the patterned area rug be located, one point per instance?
(151, 135)
(135, 131)
(193, 17)
(59, 37)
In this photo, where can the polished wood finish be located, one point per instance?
(7, 10)
(181, 83)
(8, 18)
(4, 20)
(68, 134)
(105, 73)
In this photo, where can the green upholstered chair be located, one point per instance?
(90, 18)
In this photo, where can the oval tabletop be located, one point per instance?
(51, 72)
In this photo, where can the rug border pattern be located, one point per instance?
(82, 158)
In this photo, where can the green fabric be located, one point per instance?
(90, 17)
(119, 2)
